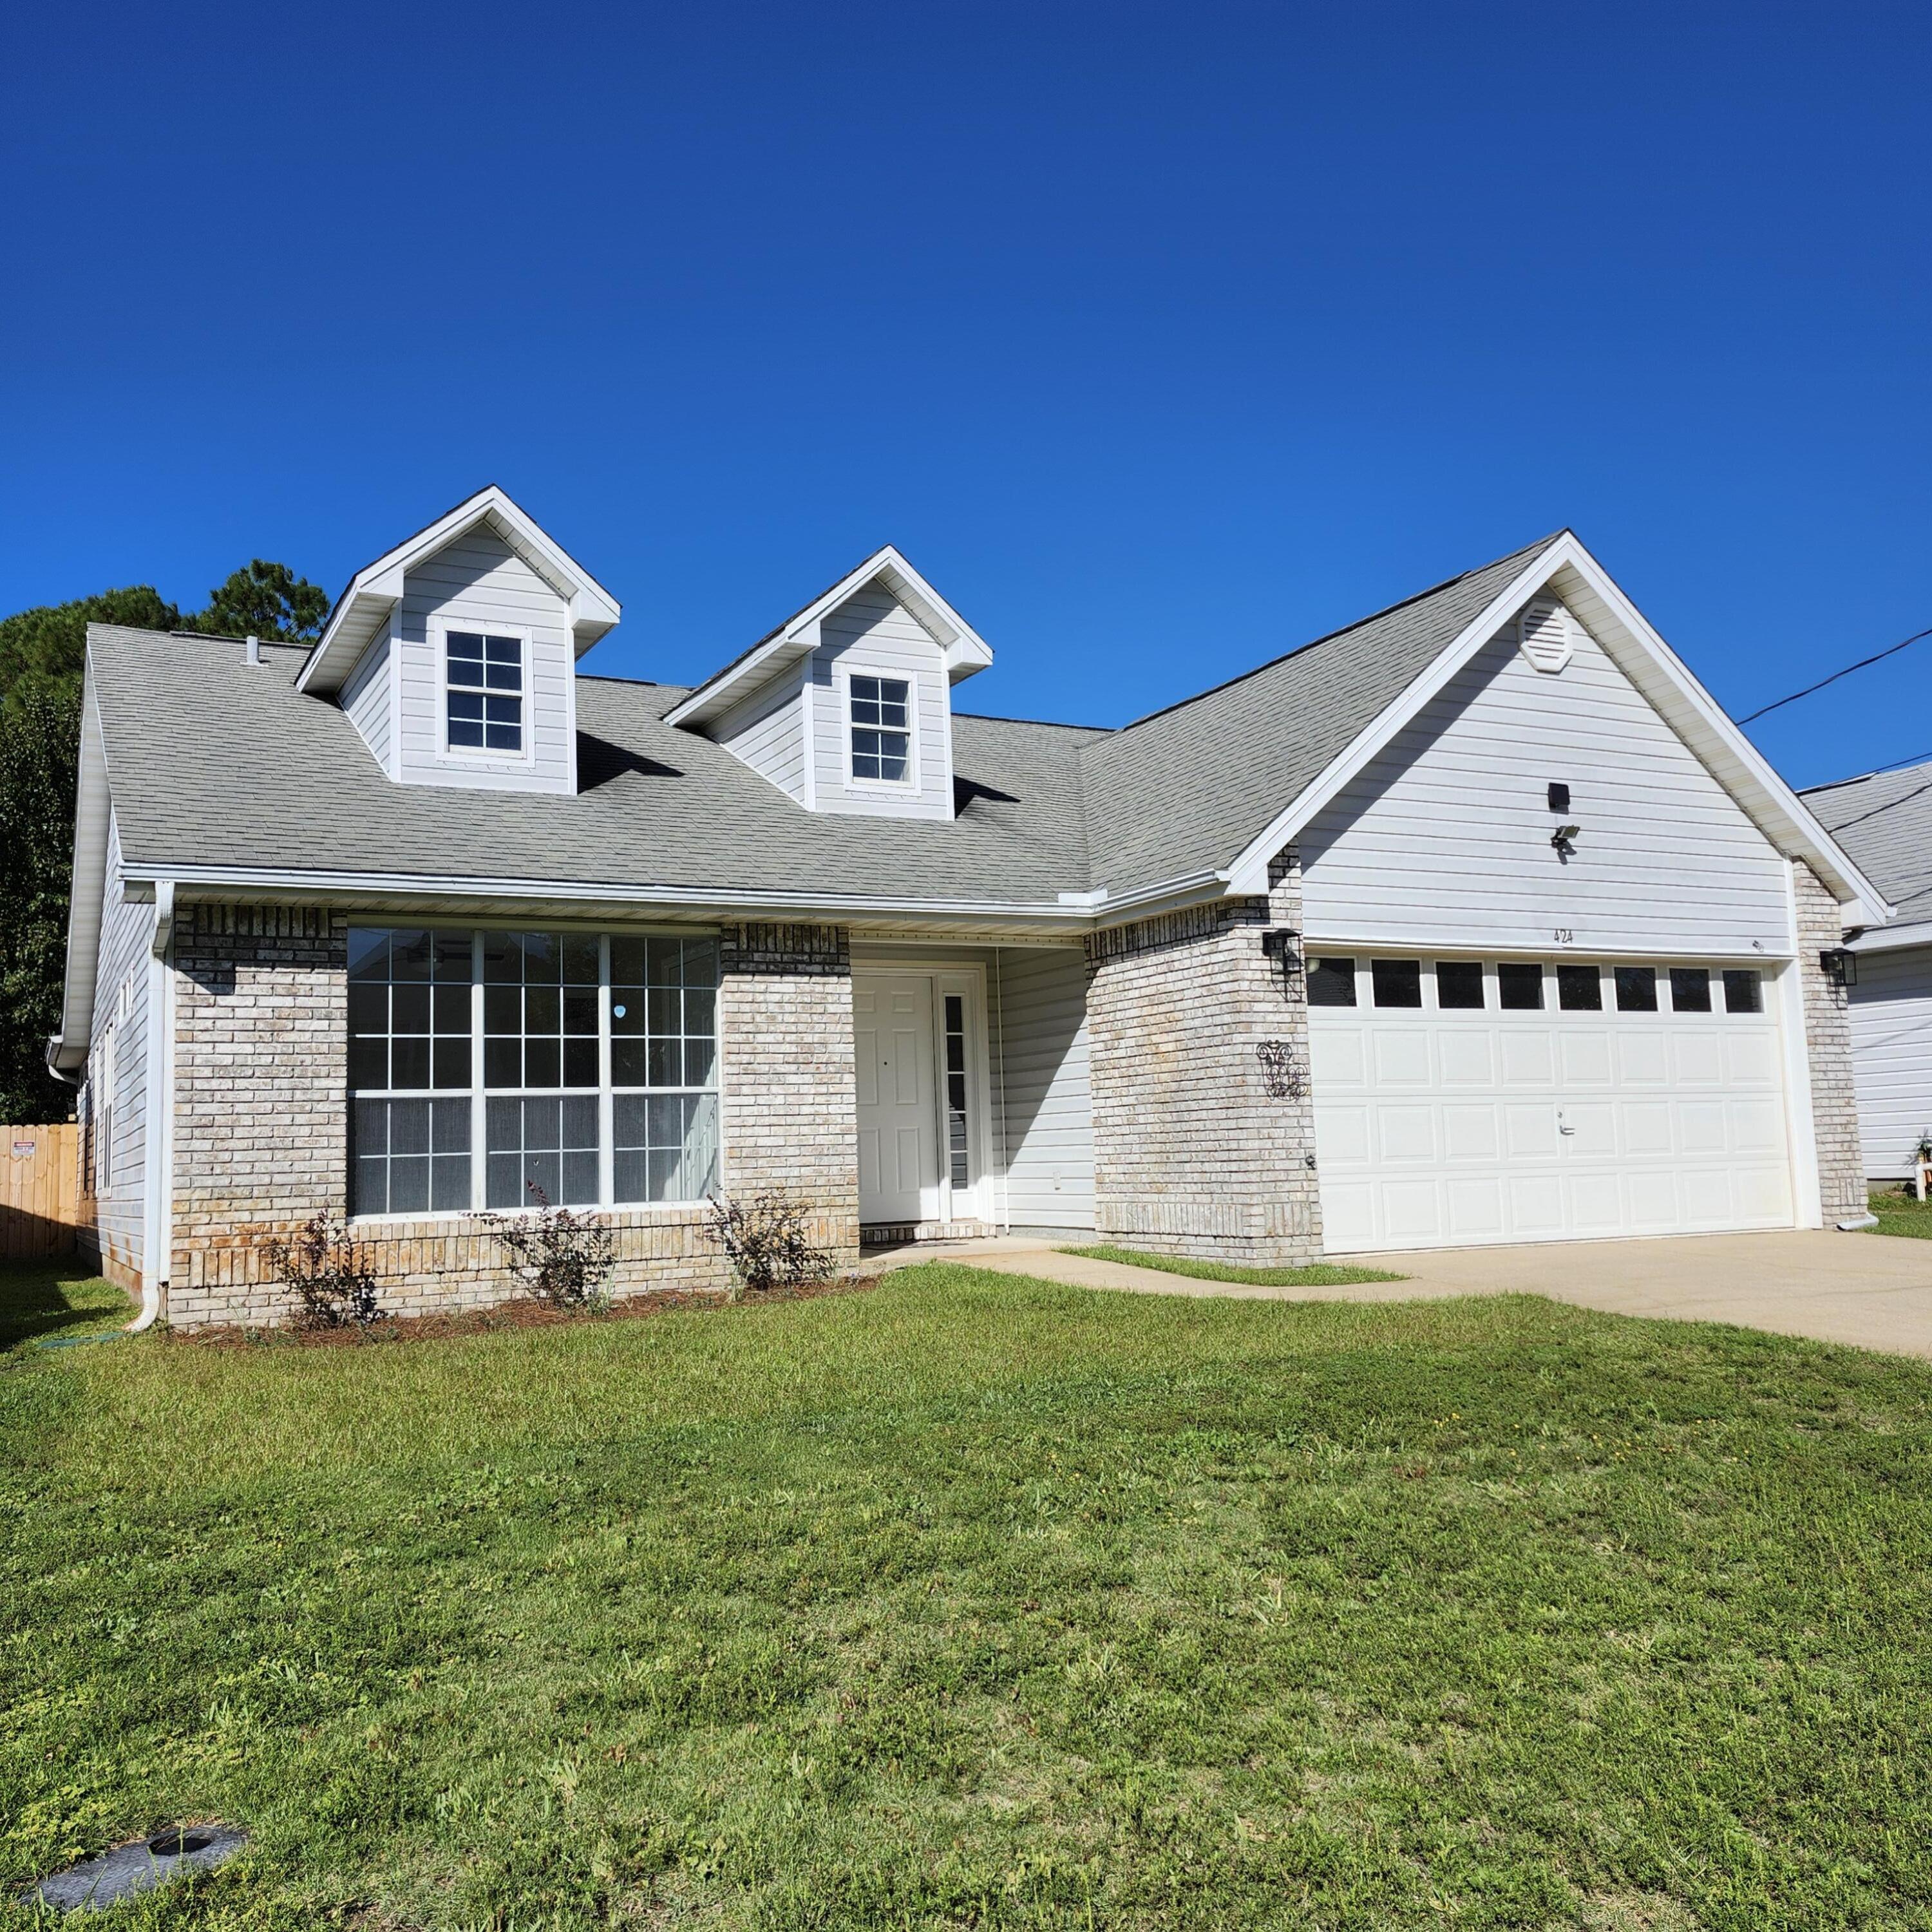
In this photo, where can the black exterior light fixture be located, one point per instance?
(1564, 840)
(1840, 965)
(1282, 946)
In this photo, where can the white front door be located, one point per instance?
(899, 1109)
(1457, 1101)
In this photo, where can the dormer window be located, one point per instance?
(485, 693)
(881, 718)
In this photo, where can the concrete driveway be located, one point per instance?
(1872, 1291)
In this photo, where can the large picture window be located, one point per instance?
(483, 1065)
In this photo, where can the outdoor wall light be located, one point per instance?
(1564, 840)
(1840, 965)
(1279, 943)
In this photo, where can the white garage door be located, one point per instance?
(1460, 1101)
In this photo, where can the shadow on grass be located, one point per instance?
(39, 1299)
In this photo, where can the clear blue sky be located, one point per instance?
(1162, 338)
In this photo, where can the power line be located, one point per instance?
(1891, 650)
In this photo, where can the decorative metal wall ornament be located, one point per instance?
(1281, 1073)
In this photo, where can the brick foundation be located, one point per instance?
(1193, 1154)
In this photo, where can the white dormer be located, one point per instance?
(455, 654)
(848, 705)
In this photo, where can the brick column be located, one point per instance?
(790, 1101)
(1828, 1052)
(261, 1105)
(1193, 1155)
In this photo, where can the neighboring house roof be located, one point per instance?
(1884, 820)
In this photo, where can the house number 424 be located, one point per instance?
(1565, 935)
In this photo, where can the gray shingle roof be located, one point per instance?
(211, 763)
(1885, 822)
(1184, 790)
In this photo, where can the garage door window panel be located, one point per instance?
(1743, 992)
(1520, 987)
(1636, 989)
(1397, 982)
(1459, 985)
(1331, 983)
(1689, 989)
(1580, 989)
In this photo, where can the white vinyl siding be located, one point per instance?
(121, 1010)
(1444, 839)
(765, 730)
(1040, 1016)
(479, 583)
(874, 633)
(368, 698)
(1891, 1057)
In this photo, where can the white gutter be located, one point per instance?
(1887, 938)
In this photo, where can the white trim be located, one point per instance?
(1800, 1119)
(808, 740)
(964, 650)
(1889, 938)
(1644, 657)
(910, 785)
(335, 886)
(376, 592)
(437, 635)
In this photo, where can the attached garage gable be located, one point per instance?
(1445, 837)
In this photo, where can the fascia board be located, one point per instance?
(192, 880)
(1893, 938)
(1248, 875)
(93, 806)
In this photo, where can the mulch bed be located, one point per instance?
(520, 1313)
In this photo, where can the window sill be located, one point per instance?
(441, 1222)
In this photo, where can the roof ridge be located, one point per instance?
(1329, 637)
(1864, 777)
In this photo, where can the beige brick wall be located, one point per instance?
(1828, 1047)
(261, 1124)
(789, 1098)
(1193, 1155)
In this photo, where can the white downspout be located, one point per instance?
(160, 1161)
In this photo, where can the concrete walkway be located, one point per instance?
(1872, 1291)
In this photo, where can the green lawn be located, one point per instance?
(1319, 1274)
(1901, 1214)
(978, 1602)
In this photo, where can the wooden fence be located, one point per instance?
(40, 1191)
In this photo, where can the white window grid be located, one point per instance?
(632, 1115)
